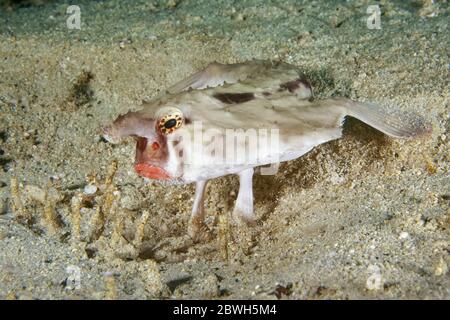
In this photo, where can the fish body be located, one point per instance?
(229, 119)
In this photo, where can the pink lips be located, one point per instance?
(142, 167)
(151, 172)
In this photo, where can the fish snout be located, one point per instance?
(130, 124)
(110, 134)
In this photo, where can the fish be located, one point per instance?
(236, 119)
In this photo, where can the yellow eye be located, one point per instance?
(169, 122)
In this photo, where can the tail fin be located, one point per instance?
(399, 126)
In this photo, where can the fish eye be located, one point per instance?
(169, 122)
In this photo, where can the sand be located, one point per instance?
(364, 217)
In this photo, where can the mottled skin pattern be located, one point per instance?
(256, 94)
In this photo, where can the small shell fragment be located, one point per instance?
(90, 189)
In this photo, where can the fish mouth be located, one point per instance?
(152, 172)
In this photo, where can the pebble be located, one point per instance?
(403, 235)
(90, 189)
(124, 42)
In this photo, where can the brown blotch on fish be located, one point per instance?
(293, 85)
(233, 98)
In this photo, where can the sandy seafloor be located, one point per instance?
(362, 217)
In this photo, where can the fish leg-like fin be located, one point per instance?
(197, 228)
(243, 210)
(403, 126)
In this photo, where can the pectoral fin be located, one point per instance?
(215, 74)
